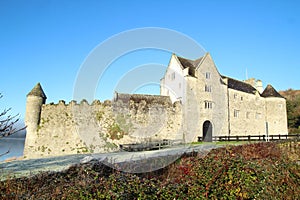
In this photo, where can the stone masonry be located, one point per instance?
(195, 101)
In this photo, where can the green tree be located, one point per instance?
(293, 113)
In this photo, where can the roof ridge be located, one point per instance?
(240, 85)
(237, 80)
(192, 62)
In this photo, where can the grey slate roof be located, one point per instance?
(240, 86)
(232, 83)
(270, 92)
(37, 91)
(191, 64)
(186, 62)
(150, 99)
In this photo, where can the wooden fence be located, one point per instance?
(253, 137)
(151, 145)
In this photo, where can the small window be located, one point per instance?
(236, 113)
(208, 105)
(173, 76)
(207, 88)
(207, 75)
(242, 98)
(235, 95)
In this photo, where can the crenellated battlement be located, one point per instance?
(123, 100)
(68, 128)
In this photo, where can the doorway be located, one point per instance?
(207, 131)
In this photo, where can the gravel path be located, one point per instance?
(137, 162)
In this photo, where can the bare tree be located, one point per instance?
(7, 124)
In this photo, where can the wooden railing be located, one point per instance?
(151, 145)
(253, 137)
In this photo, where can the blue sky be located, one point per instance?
(47, 41)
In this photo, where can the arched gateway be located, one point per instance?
(207, 131)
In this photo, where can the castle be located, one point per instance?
(195, 101)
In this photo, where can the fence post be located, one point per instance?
(279, 136)
(248, 137)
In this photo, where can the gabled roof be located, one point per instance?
(189, 63)
(270, 92)
(232, 83)
(240, 86)
(186, 62)
(37, 91)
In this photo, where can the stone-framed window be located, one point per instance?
(207, 75)
(207, 88)
(236, 113)
(208, 104)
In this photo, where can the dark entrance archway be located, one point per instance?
(207, 131)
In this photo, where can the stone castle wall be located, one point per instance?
(195, 101)
(101, 127)
(247, 113)
(276, 115)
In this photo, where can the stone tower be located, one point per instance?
(35, 99)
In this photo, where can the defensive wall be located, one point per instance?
(60, 129)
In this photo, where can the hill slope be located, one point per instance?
(293, 109)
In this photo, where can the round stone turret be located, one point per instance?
(35, 99)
